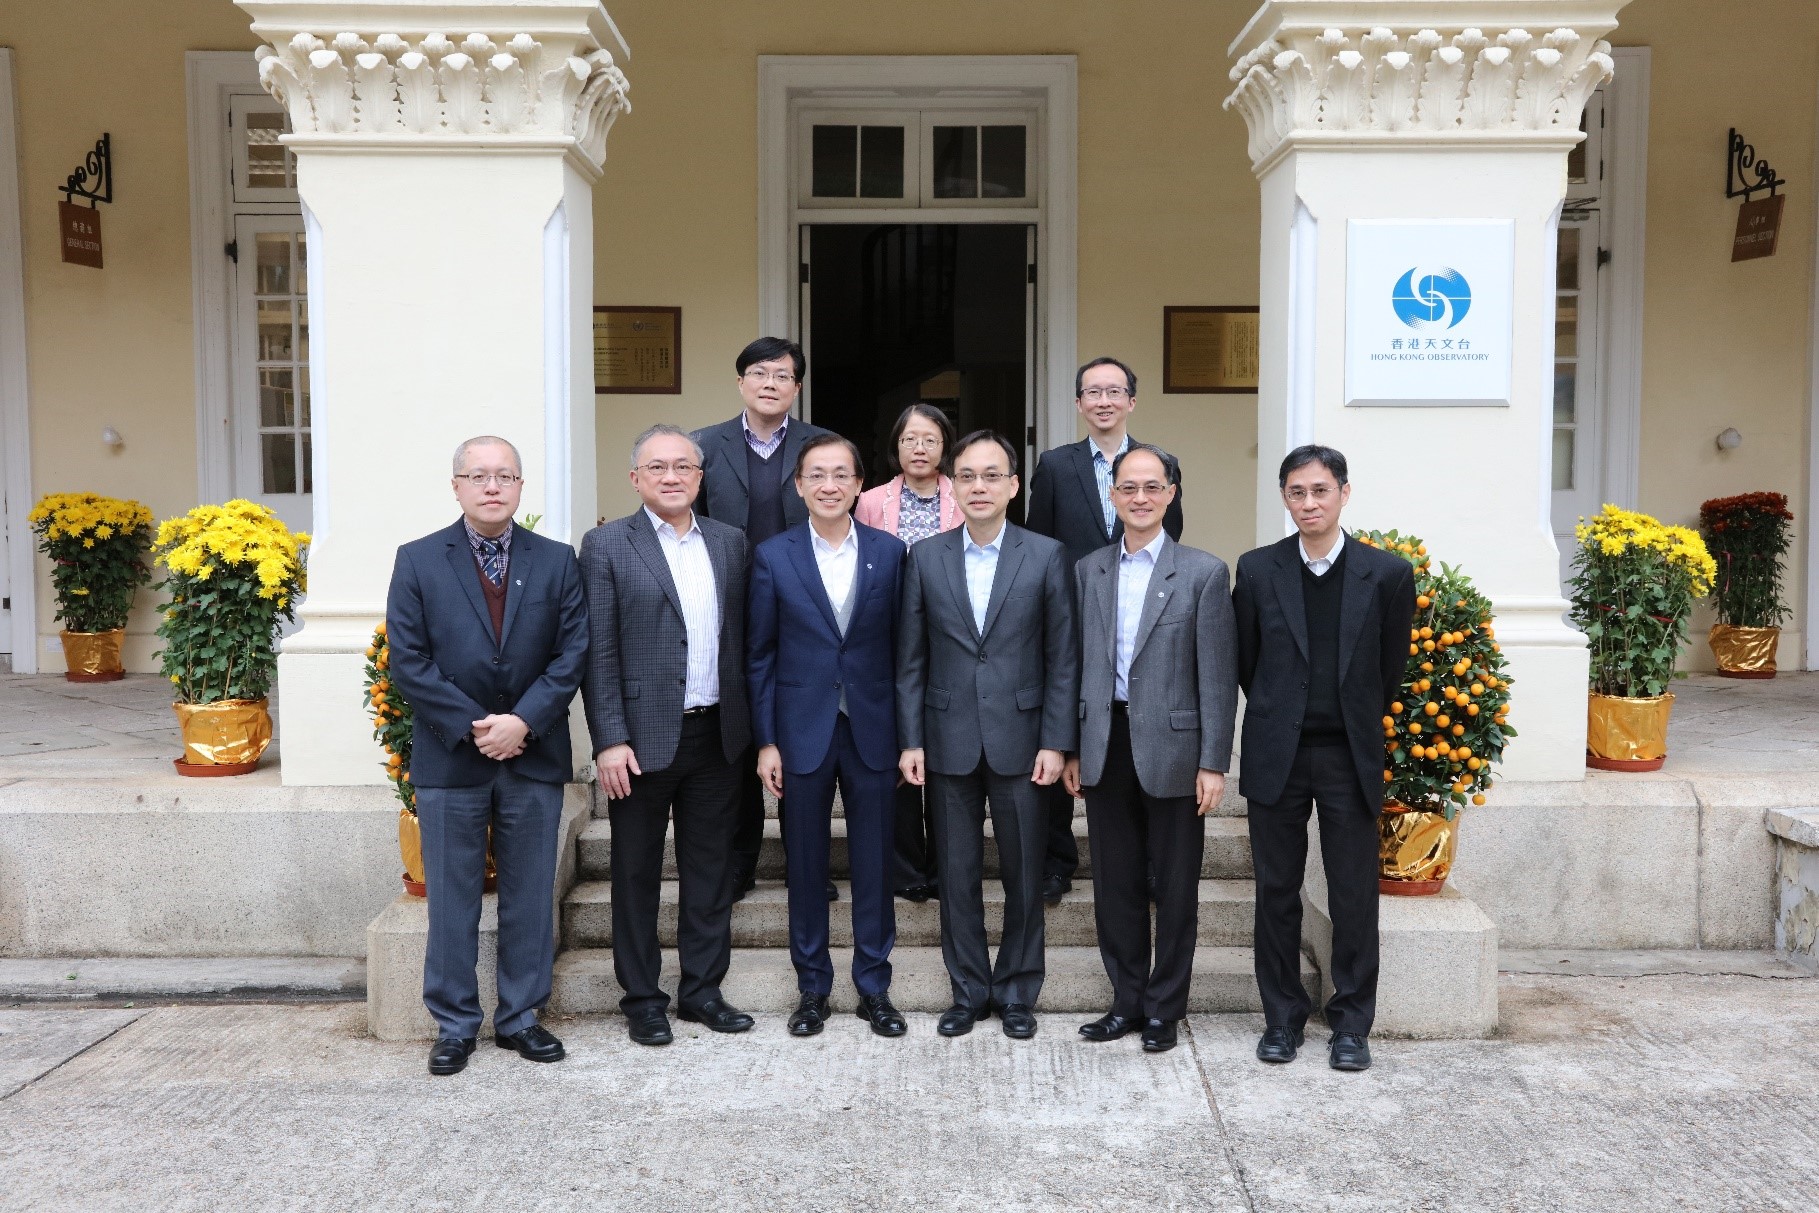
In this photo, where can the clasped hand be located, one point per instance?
(500, 736)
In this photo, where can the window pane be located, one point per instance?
(1566, 327)
(881, 162)
(267, 161)
(956, 162)
(1566, 262)
(302, 331)
(274, 260)
(303, 400)
(1566, 392)
(278, 462)
(1563, 460)
(302, 260)
(308, 478)
(836, 161)
(274, 330)
(277, 404)
(1002, 161)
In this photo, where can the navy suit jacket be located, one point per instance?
(725, 495)
(799, 662)
(453, 671)
(1064, 503)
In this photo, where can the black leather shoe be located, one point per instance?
(810, 1015)
(649, 1028)
(1347, 1051)
(1278, 1045)
(1158, 1035)
(449, 1054)
(833, 891)
(535, 1043)
(744, 881)
(1054, 888)
(1108, 1027)
(1018, 1019)
(916, 892)
(958, 1020)
(876, 1009)
(717, 1015)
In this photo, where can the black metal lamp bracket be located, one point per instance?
(1741, 163)
(94, 177)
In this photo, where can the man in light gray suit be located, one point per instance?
(987, 663)
(1158, 693)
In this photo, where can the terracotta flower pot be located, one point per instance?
(1744, 652)
(223, 738)
(1415, 850)
(94, 656)
(1627, 733)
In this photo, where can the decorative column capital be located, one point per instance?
(1377, 71)
(384, 75)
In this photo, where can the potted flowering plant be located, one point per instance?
(97, 547)
(1446, 729)
(233, 573)
(1633, 586)
(1747, 537)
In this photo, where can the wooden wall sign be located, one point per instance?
(1758, 228)
(1209, 349)
(637, 350)
(80, 229)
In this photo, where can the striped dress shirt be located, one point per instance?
(691, 568)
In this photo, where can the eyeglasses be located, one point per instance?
(988, 479)
(1319, 492)
(659, 469)
(480, 480)
(758, 376)
(910, 442)
(820, 478)
(1094, 395)
(1149, 488)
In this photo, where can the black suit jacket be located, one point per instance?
(724, 494)
(1376, 606)
(453, 671)
(637, 666)
(1064, 502)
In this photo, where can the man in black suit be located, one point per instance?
(1322, 646)
(488, 629)
(666, 705)
(1071, 500)
(747, 464)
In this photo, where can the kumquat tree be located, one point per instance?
(393, 723)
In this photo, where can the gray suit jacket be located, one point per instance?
(1005, 692)
(637, 663)
(1183, 682)
(725, 497)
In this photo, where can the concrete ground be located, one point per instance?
(1605, 1093)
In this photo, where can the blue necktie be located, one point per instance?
(492, 559)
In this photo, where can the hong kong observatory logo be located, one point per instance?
(1431, 300)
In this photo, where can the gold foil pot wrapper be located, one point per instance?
(1415, 845)
(227, 733)
(1739, 649)
(1630, 730)
(93, 652)
(410, 845)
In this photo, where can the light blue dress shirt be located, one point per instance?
(1102, 474)
(981, 567)
(1134, 569)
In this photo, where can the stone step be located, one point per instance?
(761, 920)
(1227, 857)
(763, 982)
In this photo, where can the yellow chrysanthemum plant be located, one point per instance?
(1634, 583)
(233, 573)
(97, 547)
(1449, 723)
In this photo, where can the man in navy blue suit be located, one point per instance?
(488, 629)
(821, 636)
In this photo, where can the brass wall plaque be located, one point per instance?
(637, 349)
(1758, 226)
(1209, 349)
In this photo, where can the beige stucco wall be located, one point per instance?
(1167, 215)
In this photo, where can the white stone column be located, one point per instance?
(1433, 112)
(446, 153)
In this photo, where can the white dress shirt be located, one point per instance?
(1134, 569)
(692, 569)
(981, 567)
(838, 563)
(764, 448)
(1319, 567)
(1102, 476)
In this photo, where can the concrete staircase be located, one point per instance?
(762, 979)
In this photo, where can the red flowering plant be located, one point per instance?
(1748, 537)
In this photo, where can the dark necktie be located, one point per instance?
(492, 559)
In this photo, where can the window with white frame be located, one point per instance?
(915, 158)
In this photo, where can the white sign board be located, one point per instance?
(1429, 311)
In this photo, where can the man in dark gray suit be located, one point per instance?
(1322, 646)
(488, 630)
(987, 685)
(747, 465)
(666, 705)
(1158, 695)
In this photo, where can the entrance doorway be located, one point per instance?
(895, 313)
